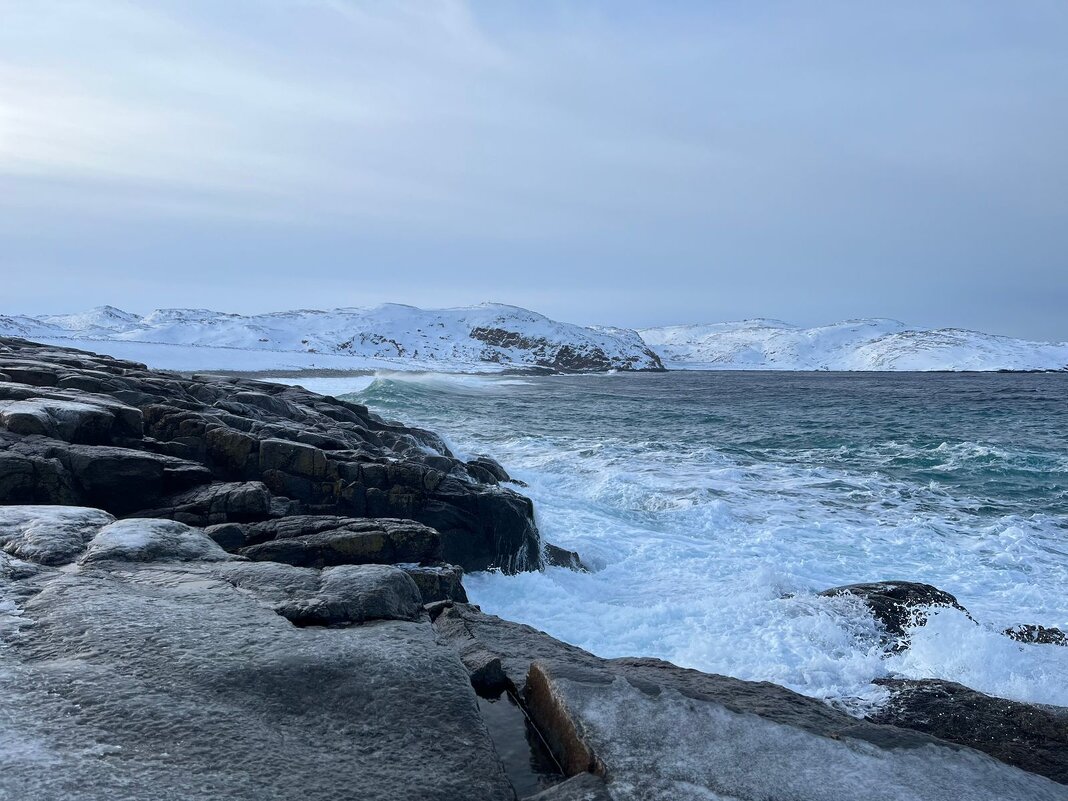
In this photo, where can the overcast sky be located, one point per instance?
(621, 163)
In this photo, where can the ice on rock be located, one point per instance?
(49, 535)
(141, 540)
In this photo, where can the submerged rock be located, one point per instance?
(1038, 635)
(898, 604)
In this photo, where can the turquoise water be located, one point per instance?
(714, 506)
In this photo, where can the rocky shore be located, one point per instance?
(213, 587)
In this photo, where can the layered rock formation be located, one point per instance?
(85, 430)
(216, 588)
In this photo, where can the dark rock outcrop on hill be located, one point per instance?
(86, 430)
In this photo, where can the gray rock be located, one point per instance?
(82, 429)
(654, 730)
(224, 502)
(166, 681)
(332, 597)
(49, 535)
(583, 787)
(1034, 738)
(152, 541)
(437, 582)
(325, 541)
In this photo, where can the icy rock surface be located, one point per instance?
(182, 680)
(654, 730)
(153, 541)
(49, 535)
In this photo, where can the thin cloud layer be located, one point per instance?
(617, 163)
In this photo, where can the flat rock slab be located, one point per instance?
(657, 731)
(139, 682)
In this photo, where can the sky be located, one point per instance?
(621, 163)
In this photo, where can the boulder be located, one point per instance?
(437, 582)
(561, 557)
(335, 596)
(49, 535)
(307, 541)
(898, 604)
(152, 541)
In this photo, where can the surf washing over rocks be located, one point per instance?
(712, 509)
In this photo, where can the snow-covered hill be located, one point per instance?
(851, 345)
(479, 338)
(493, 337)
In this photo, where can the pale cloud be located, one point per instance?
(609, 162)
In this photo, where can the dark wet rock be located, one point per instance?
(228, 536)
(214, 504)
(654, 730)
(1031, 737)
(561, 557)
(138, 681)
(49, 535)
(307, 541)
(336, 596)
(152, 541)
(583, 787)
(898, 604)
(1039, 635)
(437, 582)
(88, 430)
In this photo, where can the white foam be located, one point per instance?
(715, 561)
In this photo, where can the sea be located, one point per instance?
(712, 508)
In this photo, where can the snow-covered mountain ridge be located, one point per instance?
(493, 337)
(874, 344)
(480, 338)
